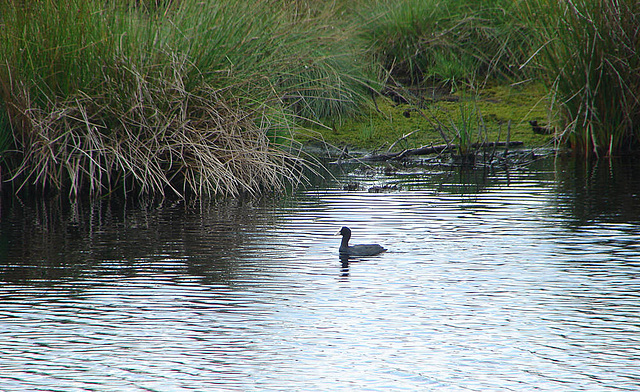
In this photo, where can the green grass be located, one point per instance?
(446, 41)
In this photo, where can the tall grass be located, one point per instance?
(179, 96)
(445, 41)
(588, 51)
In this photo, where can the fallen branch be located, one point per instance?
(426, 150)
(404, 137)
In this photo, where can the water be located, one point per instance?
(526, 280)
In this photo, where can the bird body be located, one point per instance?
(357, 250)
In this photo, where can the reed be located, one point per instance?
(184, 96)
(588, 51)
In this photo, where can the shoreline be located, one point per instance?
(498, 113)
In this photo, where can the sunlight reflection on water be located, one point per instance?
(487, 285)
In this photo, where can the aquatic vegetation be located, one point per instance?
(588, 54)
(181, 96)
(411, 125)
(211, 97)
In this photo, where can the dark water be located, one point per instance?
(521, 280)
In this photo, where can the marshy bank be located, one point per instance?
(216, 98)
(146, 98)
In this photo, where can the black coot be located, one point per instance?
(357, 250)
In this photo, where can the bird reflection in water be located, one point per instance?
(344, 265)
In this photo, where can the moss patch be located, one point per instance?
(463, 113)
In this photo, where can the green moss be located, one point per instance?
(490, 108)
(500, 104)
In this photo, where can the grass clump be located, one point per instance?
(436, 41)
(184, 96)
(588, 54)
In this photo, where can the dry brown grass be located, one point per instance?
(164, 138)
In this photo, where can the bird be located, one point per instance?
(540, 130)
(357, 250)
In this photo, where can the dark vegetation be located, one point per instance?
(207, 98)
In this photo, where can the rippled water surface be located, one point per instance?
(521, 280)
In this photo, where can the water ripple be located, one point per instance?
(488, 284)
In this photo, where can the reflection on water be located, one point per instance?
(605, 191)
(493, 281)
